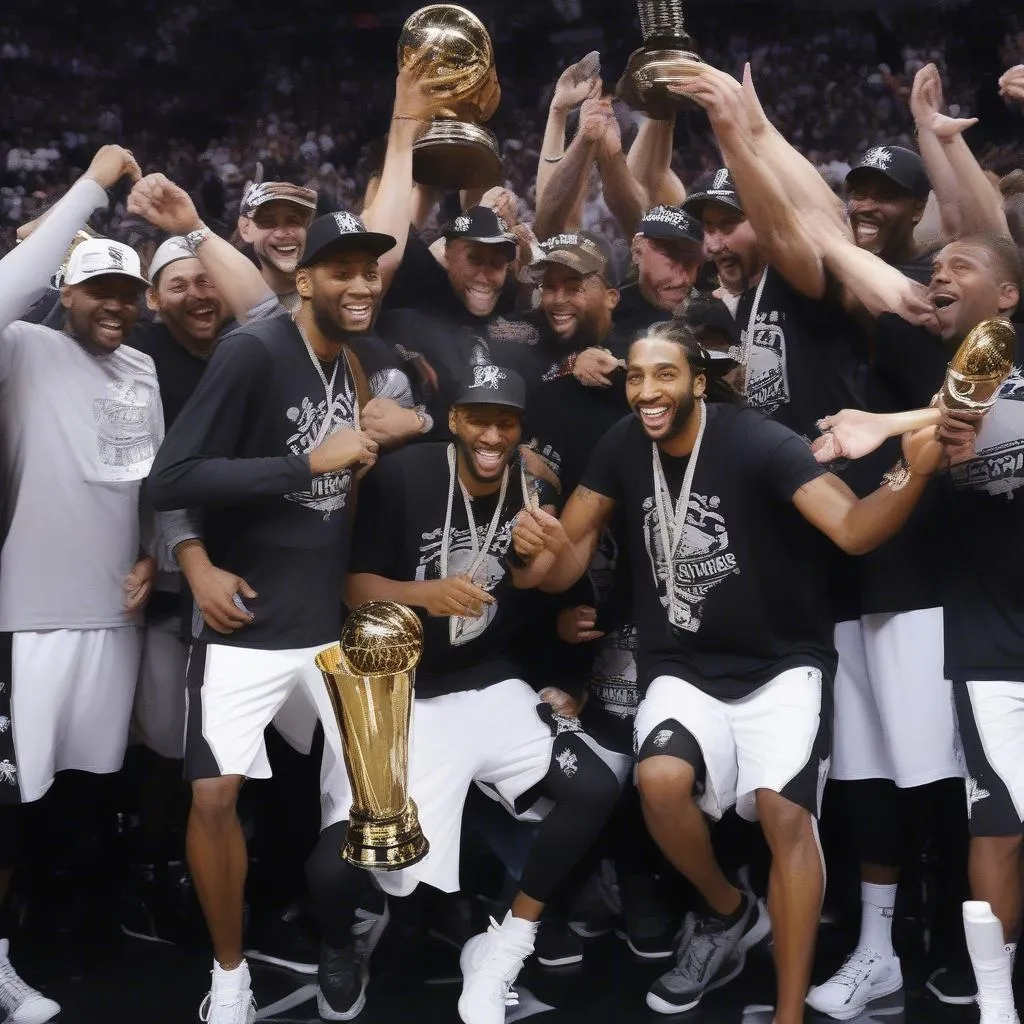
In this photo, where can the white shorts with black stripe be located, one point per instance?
(778, 738)
(65, 704)
(492, 736)
(990, 727)
(234, 693)
(893, 704)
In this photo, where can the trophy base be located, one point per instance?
(387, 844)
(456, 154)
(657, 69)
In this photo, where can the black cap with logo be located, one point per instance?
(671, 223)
(903, 166)
(493, 385)
(482, 224)
(722, 190)
(342, 231)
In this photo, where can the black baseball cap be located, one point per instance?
(722, 190)
(582, 251)
(482, 224)
(671, 223)
(712, 314)
(493, 385)
(903, 166)
(342, 230)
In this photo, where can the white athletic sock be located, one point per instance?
(876, 909)
(990, 959)
(234, 980)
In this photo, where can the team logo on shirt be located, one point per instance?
(126, 435)
(997, 467)
(767, 379)
(701, 563)
(328, 493)
(613, 677)
(488, 575)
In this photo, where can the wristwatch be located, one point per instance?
(426, 420)
(194, 239)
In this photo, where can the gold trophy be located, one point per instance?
(454, 50)
(370, 677)
(980, 366)
(665, 57)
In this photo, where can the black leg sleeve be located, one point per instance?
(878, 820)
(585, 792)
(10, 836)
(337, 887)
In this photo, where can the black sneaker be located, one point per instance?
(341, 983)
(557, 945)
(649, 930)
(286, 943)
(711, 953)
(954, 986)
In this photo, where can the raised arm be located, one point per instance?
(391, 210)
(625, 196)
(790, 247)
(26, 270)
(578, 82)
(650, 163)
(967, 201)
(170, 208)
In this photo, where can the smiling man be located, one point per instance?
(273, 218)
(81, 424)
(268, 448)
(434, 533)
(721, 509)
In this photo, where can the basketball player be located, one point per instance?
(735, 639)
(268, 447)
(81, 425)
(434, 532)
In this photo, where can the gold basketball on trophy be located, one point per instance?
(454, 56)
(980, 366)
(382, 637)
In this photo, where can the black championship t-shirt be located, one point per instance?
(750, 597)
(178, 370)
(400, 534)
(807, 357)
(635, 314)
(979, 556)
(238, 453)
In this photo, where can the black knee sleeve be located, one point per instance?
(336, 886)
(10, 835)
(877, 818)
(585, 791)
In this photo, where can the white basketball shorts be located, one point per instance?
(494, 736)
(65, 703)
(777, 738)
(893, 706)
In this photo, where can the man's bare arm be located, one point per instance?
(650, 162)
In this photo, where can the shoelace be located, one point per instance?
(239, 1001)
(504, 960)
(856, 968)
(13, 991)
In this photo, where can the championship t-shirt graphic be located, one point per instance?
(461, 555)
(702, 561)
(126, 437)
(328, 493)
(767, 379)
(997, 466)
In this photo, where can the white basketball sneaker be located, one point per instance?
(21, 1003)
(864, 977)
(230, 999)
(490, 964)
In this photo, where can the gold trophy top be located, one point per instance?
(456, 57)
(380, 638)
(980, 365)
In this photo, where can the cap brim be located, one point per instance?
(667, 233)
(696, 203)
(82, 278)
(374, 242)
(883, 174)
(567, 259)
(154, 271)
(511, 247)
(508, 402)
(249, 207)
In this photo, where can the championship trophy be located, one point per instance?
(665, 57)
(453, 50)
(370, 677)
(980, 366)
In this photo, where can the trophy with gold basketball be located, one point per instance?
(370, 677)
(666, 57)
(455, 56)
(980, 366)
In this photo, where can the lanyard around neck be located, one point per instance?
(671, 536)
(747, 349)
(325, 427)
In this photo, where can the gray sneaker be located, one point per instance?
(710, 954)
